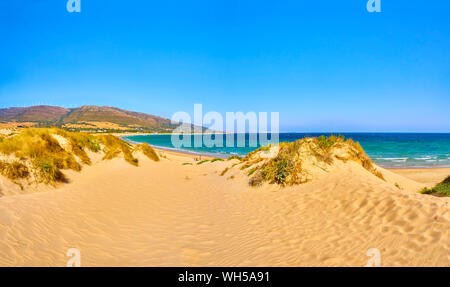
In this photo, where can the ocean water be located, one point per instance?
(385, 149)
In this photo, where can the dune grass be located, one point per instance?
(45, 152)
(224, 171)
(442, 189)
(251, 171)
(325, 143)
(245, 166)
(202, 162)
(235, 157)
(277, 169)
(14, 170)
(286, 167)
(79, 142)
(148, 151)
(217, 159)
(114, 146)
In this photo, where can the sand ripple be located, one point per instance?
(120, 215)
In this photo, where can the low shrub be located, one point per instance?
(235, 157)
(442, 189)
(14, 170)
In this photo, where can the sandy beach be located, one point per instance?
(177, 213)
(225, 134)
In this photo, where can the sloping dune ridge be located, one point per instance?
(177, 212)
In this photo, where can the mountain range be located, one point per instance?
(86, 118)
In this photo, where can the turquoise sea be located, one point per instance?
(386, 149)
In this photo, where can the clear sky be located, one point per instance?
(324, 65)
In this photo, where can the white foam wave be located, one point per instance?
(425, 157)
(394, 158)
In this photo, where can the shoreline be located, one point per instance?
(224, 156)
(169, 213)
(413, 167)
(180, 151)
(181, 211)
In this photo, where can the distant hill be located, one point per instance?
(86, 118)
(33, 114)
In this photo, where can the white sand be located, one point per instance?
(169, 214)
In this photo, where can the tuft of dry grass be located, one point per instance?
(78, 143)
(44, 156)
(322, 150)
(257, 179)
(114, 146)
(235, 157)
(252, 171)
(283, 169)
(148, 151)
(44, 153)
(359, 155)
(245, 166)
(224, 171)
(14, 170)
(48, 172)
(286, 168)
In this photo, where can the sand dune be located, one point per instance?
(169, 214)
(427, 176)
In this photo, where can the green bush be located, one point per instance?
(442, 189)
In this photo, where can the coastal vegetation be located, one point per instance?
(442, 189)
(235, 157)
(224, 171)
(42, 153)
(13, 170)
(296, 161)
(147, 150)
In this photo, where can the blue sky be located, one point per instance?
(323, 65)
